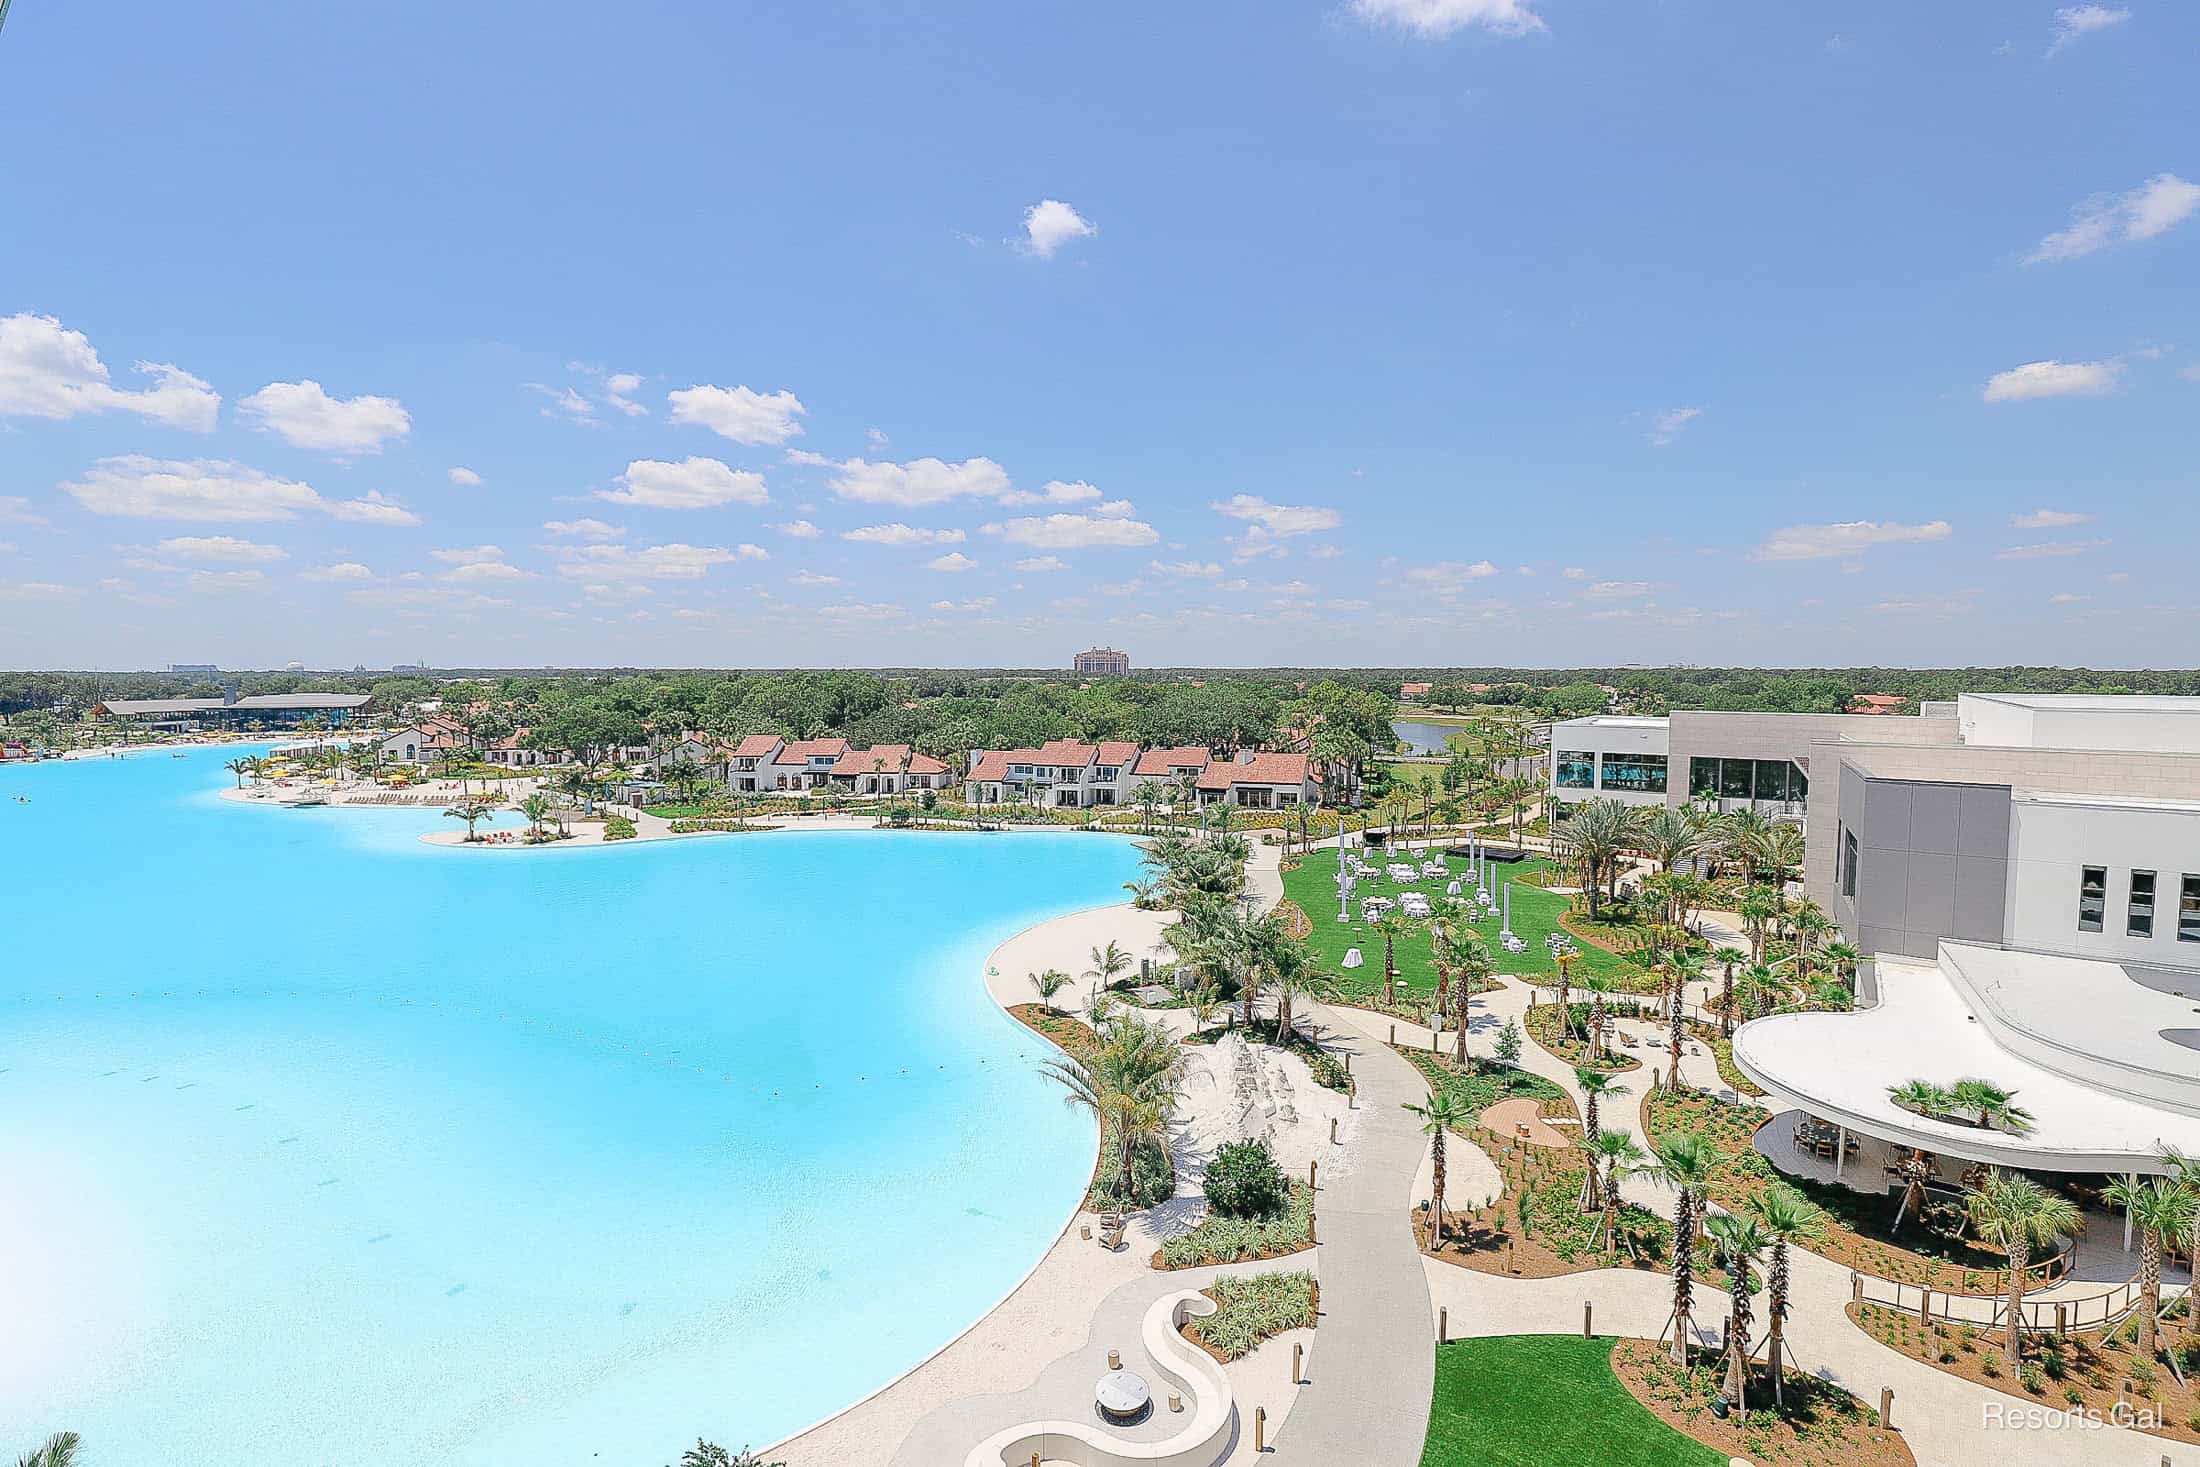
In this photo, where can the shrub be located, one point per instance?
(1255, 1307)
(617, 827)
(1153, 1176)
(1234, 1239)
(2033, 1380)
(1243, 1180)
(1508, 1044)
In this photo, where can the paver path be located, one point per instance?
(1367, 1398)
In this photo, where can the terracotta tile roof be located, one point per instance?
(756, 746)
(1413, 690)
(884, 759)
(1158, 762)
(1260, 769)
(925, 764)
(801, 750)
(1065, 752)
(993, 763)
(1117, 751)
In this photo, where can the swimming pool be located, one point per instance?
(323, 1145)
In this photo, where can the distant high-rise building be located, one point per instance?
(1101, 662)
(192, 667)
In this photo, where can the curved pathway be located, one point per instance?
(1367, 1396)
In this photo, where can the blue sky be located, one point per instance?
(1351, 331)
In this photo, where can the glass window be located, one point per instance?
(2188, 910)
(1772, 779)
(1848, 862)
(1642, 772)
(1703, 776)
(1798, 782)
(2139, 911)
(1577, 769)
(2092, 897)
(1734, 779)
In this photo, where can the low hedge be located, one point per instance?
(1242, 1239)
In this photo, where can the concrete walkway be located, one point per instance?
(1367, 1398)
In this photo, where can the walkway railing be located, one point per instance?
(2041, 1316)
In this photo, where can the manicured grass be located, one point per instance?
(1545, 1401)
(1313, 885)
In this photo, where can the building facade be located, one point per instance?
(1101, 662)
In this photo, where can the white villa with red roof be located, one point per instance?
(1072, 774)
(887, 769)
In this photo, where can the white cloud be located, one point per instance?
(1348, 605)
(812, 578)
(1451, 574)
(692, 483)
(1054, 491)
(1050, 224)
(673, 562)
(1434, 19)
(1574, 573)
(1621, 590)
(1278, 519)
(465, 478)
(954, 562)
(49, 371)
(1853, 537)
(305, 416)
(2065, 598)
(566, 401)
(583, 529)
(913, 485)
(758, 419)
(1958, 604)
(1073, 532)
(468, 555)
(16, 510)
(1039, 565)
(609, 389)
(373, 508)
(798, 529)
(857, 611)
(421, 599)
(901, 534)
(210, 490)
(2053, 379)
(2075, 21)
(979, 604)
(34, 591)
(2154, 207)
(1196, 569)
(217, 581)
(2049, 549)
(221, 547)
(617, 386)
(343, 570)
(2048, 519)
(1668, 424)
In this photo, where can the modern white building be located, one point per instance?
(2030, 891)
(1613, 757)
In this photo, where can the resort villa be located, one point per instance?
(1070, 774)
(886, 769)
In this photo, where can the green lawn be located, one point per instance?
(1545, 1401)
(1535, 912)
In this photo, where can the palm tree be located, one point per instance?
(1566, 963)
(1993, 1105)
(1049, 983)
(1684, 1162)
(1618, 1155)
(1108, 964)
(1670, 836)
(536, 807)
(1760, 990)
(472, 814)
(2186, 1169)
(2161, 1208)
(1728, 958)
(1741, 1242)
(1676, 1022)
(1921, 1096)
(2012, 1212)
(1809, 922)
(1292, 972)
(1203, 1003)
(1444, 1111)
(1844, 959)
(1463, 954)
(1599, 987)
(1149, 803)
(58, 1450)
(241, 767)
(1595, 1085)
(1786, 1216)
(1392, 925)
(1129, 1080)
(1594, 839)
(1760, 906)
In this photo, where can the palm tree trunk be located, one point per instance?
(1684, 1239)
(2020, 1257)
(1436, 1213)
(2150, 1286)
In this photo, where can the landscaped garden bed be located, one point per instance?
(1858, 1226)
(2071, 1373)
(1220, 1239)
(1570, 1043)
(1254, 1308)
(1815, 1424)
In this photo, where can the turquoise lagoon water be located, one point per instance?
(322, 1146)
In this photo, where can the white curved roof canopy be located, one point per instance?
(1839, 1067)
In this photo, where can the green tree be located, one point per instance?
(1741, 1243)
(1786, 1217)
(1442, 1112)
(1049, 983)
(2012, 1212)
(1684, 1162)
(2161, 1209)
(1616, 1155)
(1129, 1080)
(58, 1450)
(473, 813)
